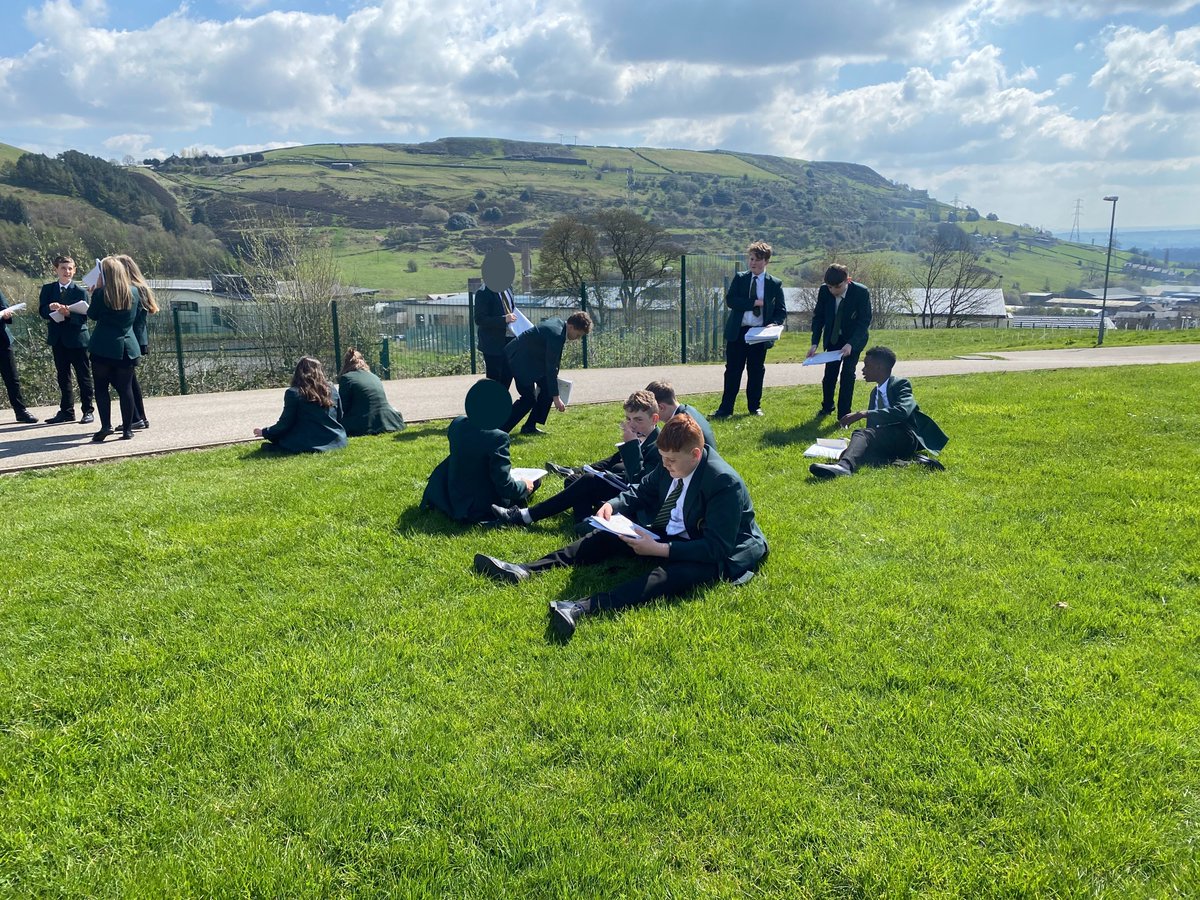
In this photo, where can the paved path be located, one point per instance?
(210, 420)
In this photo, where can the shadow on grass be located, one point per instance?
(804, 433)
(429, 521)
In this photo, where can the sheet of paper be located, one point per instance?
(16, 307)
(607, 477)
(92, 276)
(621, 526)
(520, 474)
(820, 359)
(80, 306)
(564, 390)
(522, 324)
(763, 334)
(57, 316)
(827, 448)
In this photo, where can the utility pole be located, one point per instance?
(1075, 225)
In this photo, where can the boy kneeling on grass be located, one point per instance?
(896, 427)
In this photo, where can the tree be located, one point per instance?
(642, 251)
(570, 256)
(951, 283)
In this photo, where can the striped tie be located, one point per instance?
(664, 513)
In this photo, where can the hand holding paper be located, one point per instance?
(820, 359)
(92, 278)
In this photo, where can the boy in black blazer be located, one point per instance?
(534, 358)
(494, 317)
(68, 342)
(896, 427)
(8, 367)
(842, 318)
(754, 299)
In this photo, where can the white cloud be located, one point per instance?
(1154, 71)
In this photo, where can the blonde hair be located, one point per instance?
(353, 362)
(138, 280)
(118, 294)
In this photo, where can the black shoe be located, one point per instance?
(499, 569)
(720, 414)
(829, 470)
(565, 615)
(63, 415)
(824, 411)
(930, 463)
(126, 434)
(532, 429)
(25, 418)
(757, 412)
(564, 471)
(87, 418)
(99, 436)
(141, 423)
(507, 515)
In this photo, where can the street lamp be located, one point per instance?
(1112, 198)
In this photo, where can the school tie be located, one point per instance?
(664, 513)
(506, 302)
(839, 304)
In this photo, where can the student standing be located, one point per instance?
(842, 318)
(311, 421)
(755, 299)
(68, 342)
(114, 349)
(8, 367)
(147, 307)
(535, 357)
(494, 317)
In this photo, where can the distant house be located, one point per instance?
(984, 308)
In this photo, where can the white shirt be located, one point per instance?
(675, 525)
(753, 317)
(881, 397)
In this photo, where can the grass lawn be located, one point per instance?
(226, 674)
(947, 343)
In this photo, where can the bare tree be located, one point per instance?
(570, 256)
(951, 283)
(641, 250)
(888, 285)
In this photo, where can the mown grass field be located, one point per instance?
(222, 674)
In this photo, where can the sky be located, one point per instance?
(1016, 107)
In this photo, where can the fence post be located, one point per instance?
(337, 337)
(583, 306)
(385, 357)
(471, 326)
(178, 349)
(683, 308)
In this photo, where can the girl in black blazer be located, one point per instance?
(149, 306)
(114, 349)
(311, 420)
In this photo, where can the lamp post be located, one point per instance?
(1112, 198)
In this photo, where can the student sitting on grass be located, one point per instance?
(698, 527)
(311, 421)
(896, 428)
(365, 406)
(636, 456)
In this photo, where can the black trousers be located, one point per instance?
(496, 368)
(66, 359)
(12, 384)
(583, 495)
(116, 373)
(845, 368)
(139, 406)
(534, 399)
(666, 579)
(878, 446)
(752, 358)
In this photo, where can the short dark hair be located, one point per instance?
(59, 260)
(663, 391)
(680, 433)
(836, 274)
(883, 354)
(581, 322)
(760, 248)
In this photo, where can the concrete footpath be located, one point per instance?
(212, 420)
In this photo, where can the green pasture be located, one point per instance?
(225, 674)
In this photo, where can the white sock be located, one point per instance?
(526, 517)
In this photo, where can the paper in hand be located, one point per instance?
(80, 306)
(92, 276)
(16, 307)
(820, 359)
(621, 526)
(522, 324)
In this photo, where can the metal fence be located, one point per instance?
(230, 344)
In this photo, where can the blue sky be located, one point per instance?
(1014, 106)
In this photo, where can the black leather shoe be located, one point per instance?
(61, 416)
(99, 436)
(140, 424)
(720, 414)
(25, 418)
(824, 411)
(930, 463)
(829, 470)
(564, 471)
(87, 419)
(757, 412)
(499, 569)
(508, 515)
(126, 434)
(532, 429)
(565, 615)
